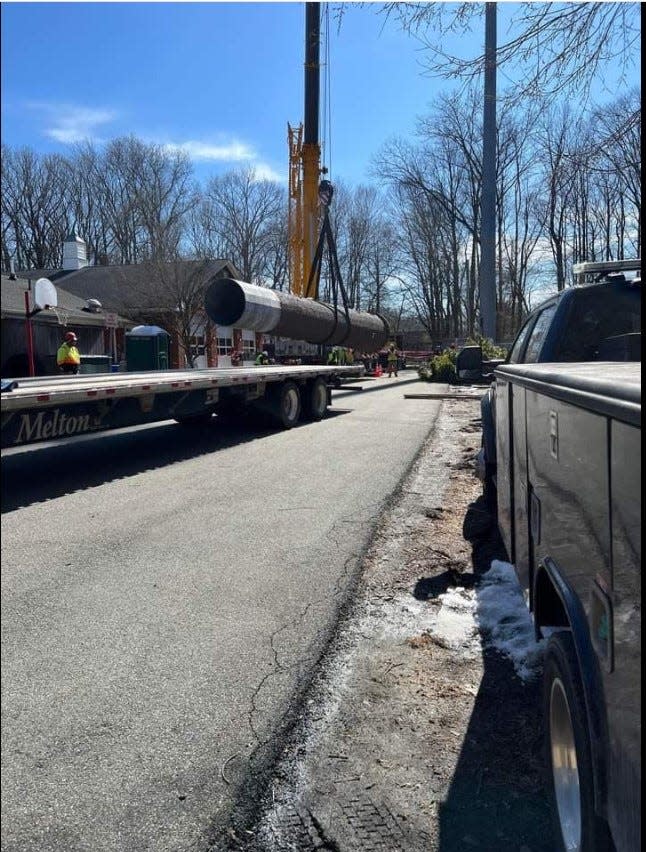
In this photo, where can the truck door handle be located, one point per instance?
(534, 517)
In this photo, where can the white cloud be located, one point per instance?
(70, 123)
(232, 151)
(263, 171)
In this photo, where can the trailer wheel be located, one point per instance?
(569, 758)
(284, 403)
(315, 400)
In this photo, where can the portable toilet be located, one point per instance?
(147, 348)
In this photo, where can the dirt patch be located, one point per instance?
(413, 736)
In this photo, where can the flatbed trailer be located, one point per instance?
(55, 407)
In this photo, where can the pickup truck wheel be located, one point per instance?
(285, 404)
(315, 400)
(569, 758)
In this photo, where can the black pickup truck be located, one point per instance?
(595, 322)
(566, 476)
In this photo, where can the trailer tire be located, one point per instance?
(284, 403)
(315, 400)
(568, 751)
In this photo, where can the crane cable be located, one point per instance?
(326, 241)
(326, 106)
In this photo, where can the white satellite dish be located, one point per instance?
(45, 295)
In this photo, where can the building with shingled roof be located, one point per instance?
(153, 294)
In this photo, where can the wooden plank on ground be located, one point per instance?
(442, 396)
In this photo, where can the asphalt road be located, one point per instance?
(165, 595)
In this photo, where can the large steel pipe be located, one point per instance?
(236, 303)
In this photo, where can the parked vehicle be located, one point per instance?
(471, 366)
(561, 461)
(569, 512)
(594, 322)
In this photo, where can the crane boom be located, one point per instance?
(305, 166)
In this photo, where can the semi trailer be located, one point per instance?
(56, 407)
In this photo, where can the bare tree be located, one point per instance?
(177, 288)
(163, 193)
(437, 187)
(593, 174)
(553, 47)
(239, 215)
(520, 225)
(87, 208)
(203, 236)
(382, 264)
(357, 237)
(554, 141)
(619, 160)
(33, 207)
(110, 176)
(276, 268)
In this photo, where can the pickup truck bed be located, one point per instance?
(569, 511)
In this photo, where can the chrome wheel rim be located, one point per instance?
(291, 404)
(564, 768)
(320, 398)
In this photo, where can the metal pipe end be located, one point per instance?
(224, 301)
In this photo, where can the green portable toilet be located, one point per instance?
(147, 348)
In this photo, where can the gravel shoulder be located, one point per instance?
(417, 733)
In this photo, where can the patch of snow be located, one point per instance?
(399, 619)
(507, 625)
(455, 627)
(459, 599)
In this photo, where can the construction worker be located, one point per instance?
(68, 357)
(262, 359)
(333, 357)
(349, 356)
(393, 359)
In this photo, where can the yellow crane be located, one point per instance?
(305, 168)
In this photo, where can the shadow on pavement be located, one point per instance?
(43, 472)
(46, 471)
(497, 800)
(375, 385)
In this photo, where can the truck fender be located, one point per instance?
(488, 428)
(557, 605)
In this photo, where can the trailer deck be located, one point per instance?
(53, 407)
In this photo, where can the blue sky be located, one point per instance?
(218, 79)
(221, 79)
